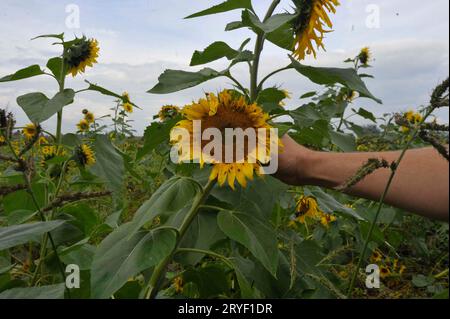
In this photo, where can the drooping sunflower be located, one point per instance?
(307, 207)
(168, 112)
(228, 110)
(83, 125)
(128, 107)
(81, 54)
(30, 131)
(312, 23)
(365, 56)
(84, 155)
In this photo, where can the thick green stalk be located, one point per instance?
(258, 50)
(159, 271)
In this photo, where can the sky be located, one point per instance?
(139, 39)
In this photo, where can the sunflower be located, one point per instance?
(2, 140)
(413, 118)
(228, 110)
(84, 155)
(307, 207)
(365, 56)
(287, 96)
(168, 112)
(376, 257)
(83, 125)
(385, 272)
(311, 25)
(128, 107)
(30, 131)
(327, 219)
(81, 54)
(126, 97)
(88, 116)
(178, 285)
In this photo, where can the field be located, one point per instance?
(104, 213)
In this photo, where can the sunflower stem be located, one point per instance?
(158, 273)
(258, 50)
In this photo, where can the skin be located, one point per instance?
(421, 185)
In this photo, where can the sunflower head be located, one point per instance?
(89, 117)
(128, 107)
(84, 155)
(81, 54)
(178, 285)
(232, 159)
(126, 97)
(327, 219)
(30, 131)
(311, 25)
(83, 125)
(384, 272)
(365, 56)
(168, 112)
(413, 118)
(2, 140)
(376, 257)
(307, 207)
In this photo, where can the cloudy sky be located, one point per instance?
(139, 39)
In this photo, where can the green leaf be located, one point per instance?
(318, 134)
(306, 115)
(56, 36)
(81, 255)
(211, 280)
(39, 108)
(273, 23)
(282, 37)
(109, 163)
(257, 236)
(26, 73)
(366, 114)
(329, 204)
(308, 95)
(154, 135)
(215, 51)
(330, 76)
(346, 142)
(234, 26)
(54, 65)
(202, 234)
(20, 234)
(41, 293)
(270, 99)
(121, 257)
(170, 198)
(173, 81)
(97, 88)
(224, 7)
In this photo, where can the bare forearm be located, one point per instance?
(421, 183)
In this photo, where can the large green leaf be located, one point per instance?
(20, 234)
(40, 108)
(121, 257)
(306, 116)
(202, 234)
(330, 76)
(228, 5)
(282, 37)
(54, 65)
(258, 236)
(345, 142)
(273, 23)
(170, 198)
(44, 292)
(211, 280)
(215, 51)
(26, 73)
(109, 163)
(154, 135)
(173, 81)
